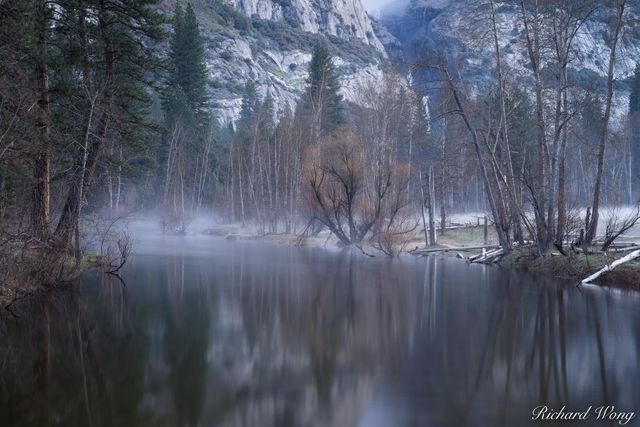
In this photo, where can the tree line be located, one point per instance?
(105, 108)
(549, 152)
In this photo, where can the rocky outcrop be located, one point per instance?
(269, 43)
(341, 18)
(428, 28)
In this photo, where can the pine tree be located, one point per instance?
(118, 52)
(188, 138)
(590, 116)
(249, 104)
(634, 96)
(322, 102)
(268, 115)
(187, 56)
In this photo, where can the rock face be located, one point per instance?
(269, 43)
(454, 29)
(426, 28)
(341, 18)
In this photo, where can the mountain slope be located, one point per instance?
(269, 42)
(342, 18)
(460, 30)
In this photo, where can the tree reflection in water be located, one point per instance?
(257, 335)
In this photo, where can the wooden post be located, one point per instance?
(424, 220)
(485, 230)
(430, 207)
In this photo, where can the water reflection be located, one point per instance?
(251, 335)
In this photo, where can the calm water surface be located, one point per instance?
(215, 333)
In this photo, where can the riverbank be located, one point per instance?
(23, 276)
(572, 267)
(26, 272)
(258, 317)
(252, 232)
(576, 267)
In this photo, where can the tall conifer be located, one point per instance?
(322, 102)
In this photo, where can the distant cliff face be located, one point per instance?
(341, 18)
(269, 42)
(428, 29)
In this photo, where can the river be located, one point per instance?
(208, 332)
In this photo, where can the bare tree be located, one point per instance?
(538, 185)
(595, 207)
(489, 187)
(342, 198)
(617, 225)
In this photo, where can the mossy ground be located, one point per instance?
(30, 271)
(576, 267)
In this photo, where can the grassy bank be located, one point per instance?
(576, 267)
(573, 267)
(28, 270)
(252, 232)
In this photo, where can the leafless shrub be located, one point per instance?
(29, 265)
(175, 223)
(116, 248)
(574, 223)
(111, 240)
(392, 243)
(358, 192)
(343, 194)
(395, 229)
(617, 224)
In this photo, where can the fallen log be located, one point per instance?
(609, 267)
(495, 257)
(625, 249)
(477, 256)
(454, 249)
(489, 257)
(622, 244)
(452, 227)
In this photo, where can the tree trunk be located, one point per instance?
(503, 238)
(41, 161)
(539, 187)
(422, 207)
(514, 208)
(430, 207)
(595, 207)
(443, 180)
(562, 196)
(72, 208)
(119, 179)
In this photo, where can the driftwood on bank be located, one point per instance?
(489, 254)
(634, 247)
(488, 257)
(609, 267)
(453, 249)
(624, 246)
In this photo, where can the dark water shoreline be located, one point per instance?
(571, 268)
